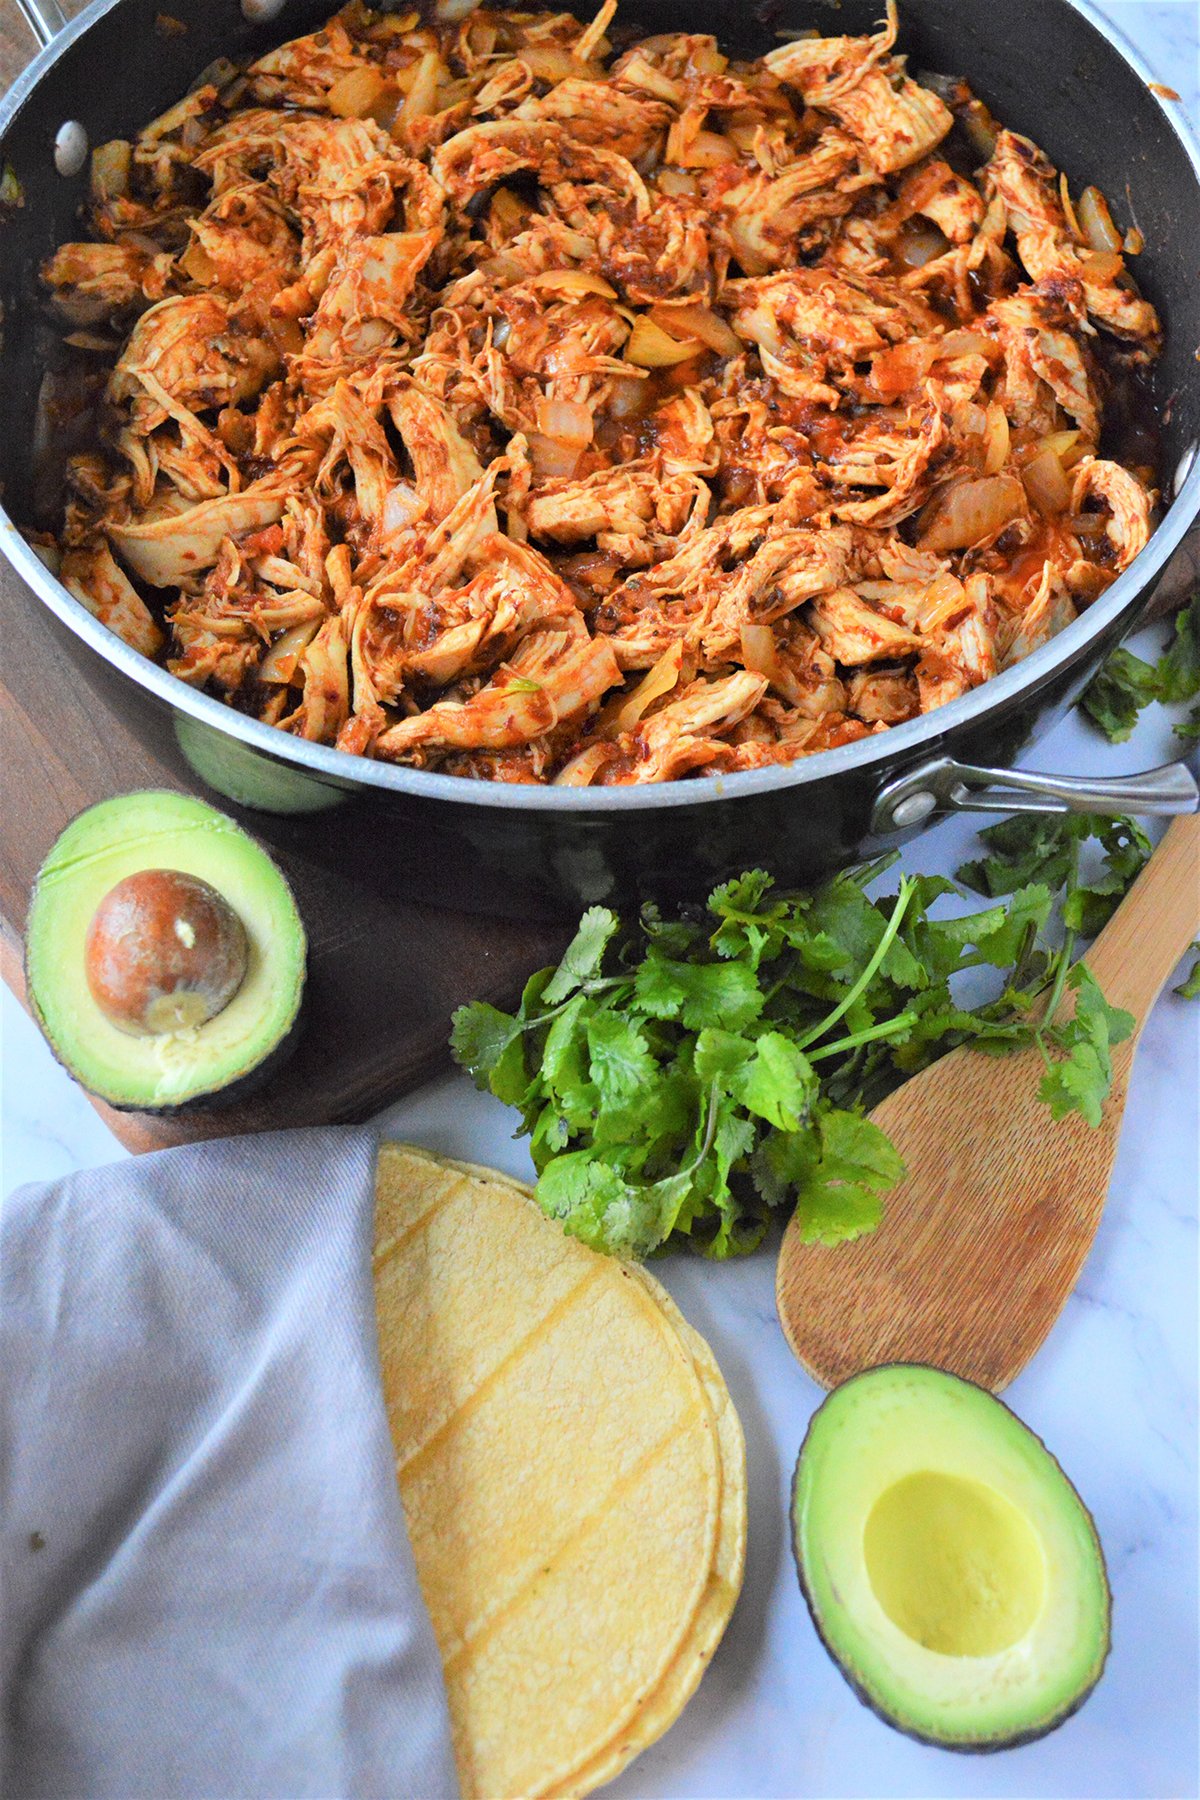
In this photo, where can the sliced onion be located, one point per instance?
(898, 368)
(1096, 222)
(650, 347)
(280, 662)
(699, 322)
(676, 182)
(573, 281)
(627, 397)
(970, 512)
(1133, 242)
(758, 650)
(482, 38)
(197, 264)
(400, 508)
(111, 164)
(421, 97)
(1102, 265)
(1068, 206)
(981, 129)
(1067, 446)
(997, 440)
(624, 711)
(920, 242)
(706, 59)
(551, 460)
(698, 149)
(361, 93)
(549, 64)
(966, 343)
(1046, 484)
(943, 600)
(968, 419)
(509, 211)
(505, 269)
(566, 422)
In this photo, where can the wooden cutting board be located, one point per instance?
(384, 976)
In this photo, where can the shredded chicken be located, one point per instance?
(475, 397)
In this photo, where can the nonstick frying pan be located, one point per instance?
(1049, 68)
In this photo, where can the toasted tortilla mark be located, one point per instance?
(548, 1566)
(579, 1524)
(481, 1517)
(526, 1342)
(661, 1707)
(386, 1249)
(633, 1624)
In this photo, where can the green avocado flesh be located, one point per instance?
(161, 830)
(951, 1569)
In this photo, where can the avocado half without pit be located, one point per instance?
(952, 1571)
(164, 954)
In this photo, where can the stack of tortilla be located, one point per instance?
(573, 1477)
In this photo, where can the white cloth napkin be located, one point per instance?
(208, 1589)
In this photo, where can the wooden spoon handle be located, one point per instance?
(1154, 925)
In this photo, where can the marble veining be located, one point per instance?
(1113, 1390)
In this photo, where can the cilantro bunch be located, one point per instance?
(679, 1078)
(1125, 685)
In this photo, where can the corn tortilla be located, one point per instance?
(661, 1709)
(572, 1477)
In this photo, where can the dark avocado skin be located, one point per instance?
(984, 1746)
(217, 1099)
(229, 1094)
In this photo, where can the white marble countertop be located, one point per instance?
(1113, 1391)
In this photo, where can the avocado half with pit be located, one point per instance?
(952, 1571)
(164, 954)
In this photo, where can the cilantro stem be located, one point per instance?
(587, 987)
(907, 889)
(889, 1028)
(1042, 1030)
(710, 1132)
(1060, 981)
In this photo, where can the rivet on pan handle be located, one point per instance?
(945, 786)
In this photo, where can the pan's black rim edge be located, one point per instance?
(898, 746)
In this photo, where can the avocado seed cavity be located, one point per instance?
(164, 952)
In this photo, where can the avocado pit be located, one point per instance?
(164, 952)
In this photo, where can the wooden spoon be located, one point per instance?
(983, 1241)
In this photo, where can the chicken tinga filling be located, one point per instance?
(517, 398)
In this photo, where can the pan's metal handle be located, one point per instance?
(944, 785)
(45, 19)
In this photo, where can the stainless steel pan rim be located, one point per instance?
(896, 746)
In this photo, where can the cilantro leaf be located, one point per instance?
(1124, 685)
(1189, 987)
(1179, 670)
(1089, 905)
(620, 1065)
(583, 955)
(778, 1083)
(698, 994)
(594, 1202)
(1028, 848)
(1118, 692)
(749, 926)
(723, 1066)
(836, 1172)
(479, 1037)
(1079, 1078)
